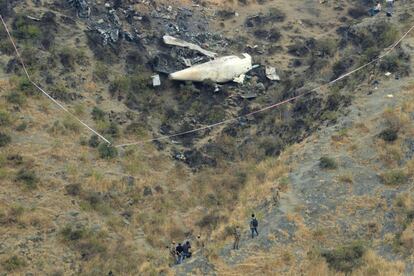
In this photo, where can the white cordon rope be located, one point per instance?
(390, 49)
(43, 91)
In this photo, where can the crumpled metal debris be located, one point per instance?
(82, 7)
(271, 73)
(223, 69)
(181, 43)
(156, 81)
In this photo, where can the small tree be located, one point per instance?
(107, 151)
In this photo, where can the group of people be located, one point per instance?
(254, 224)
(378, 7)
(180, 252)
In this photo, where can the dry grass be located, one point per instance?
(346, 177)
(375, 265)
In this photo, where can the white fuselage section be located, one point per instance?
(220, 70)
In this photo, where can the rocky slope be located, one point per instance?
(341, 157)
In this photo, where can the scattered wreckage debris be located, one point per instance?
(220, 70)
(156, 81)
(271, 73)
(181, 43)
(82, 7)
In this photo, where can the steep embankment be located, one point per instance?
(69, 205)
(349, 202)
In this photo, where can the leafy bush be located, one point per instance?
(71, 233)
(25, 86)
(71, 124)
(98, 114)
(394, 177)
(87, 242)
(94, 141)
(101, 71)
(326, 47)
(345, 258)
(4, 139)
(389, 134)
(24, 28)
(4, 118)
(27, 177)
(6, 47)
(73, 189)
(13, 263)
(395, 63)
(107, 151)
(357, 12)
(70, 56)
(16, 98)
(326, 162)
(21, 127)
(112, 130)
(210, 221)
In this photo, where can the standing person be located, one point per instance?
(390, 6)
(253, 226)
(200, 244)
(173, 253)
(186, 250)
(179, 250)
(237, 235)
(275, 196)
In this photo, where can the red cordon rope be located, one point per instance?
(43, 91)
(275, 105)
(391, 48)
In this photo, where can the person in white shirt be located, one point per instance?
(375, 10)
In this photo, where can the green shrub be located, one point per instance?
(13, 263)
(87, 242)
(28, 178)
(24, 28)
(25, 86)
(389, 134)
(101, 71)
(112, 130)
(4, 118)
(98, 114)
(107, 151)
(394, 177)
(71, 233)
(345, 258)
(94, 141)
(21, 127)
(395, 63)
(67, 58)
(6, 47)
(73, 189)
(326, 162)
(4, 139)
(59, 92)
(16, 98)
(71, 125)
(326, 47)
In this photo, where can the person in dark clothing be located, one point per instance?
(187, 250)
(253, 226)
(180, 256)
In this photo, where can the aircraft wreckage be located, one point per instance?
(220, 70)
